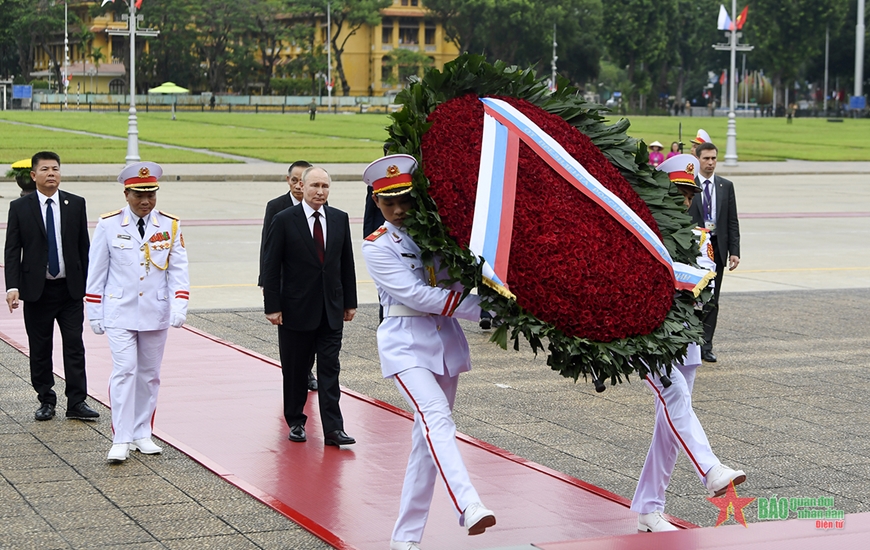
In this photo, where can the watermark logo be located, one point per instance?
(729, 505)
(819, 509)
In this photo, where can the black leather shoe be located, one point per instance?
(708, 356)
(82, 411)
(297, 434)
(312, 382)
(486, 323)
(45, 412)
(338, 438)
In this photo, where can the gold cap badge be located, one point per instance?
(144, 172)
(393, 171)
(690, 168)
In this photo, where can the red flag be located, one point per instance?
(722, 78)
(139, 6)
(741, 19)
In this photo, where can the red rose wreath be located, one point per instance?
(585, 287)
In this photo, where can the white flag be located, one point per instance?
(724, 23)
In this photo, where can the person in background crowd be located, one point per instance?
(655, 154)
(675, 150)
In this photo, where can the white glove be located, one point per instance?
(177, 319)
(97, 326)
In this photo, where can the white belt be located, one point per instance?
(398, 310)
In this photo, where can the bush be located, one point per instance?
(291, 86)
(39, 84)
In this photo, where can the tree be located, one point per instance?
(787, 34)
(493, 29)
(271, 30)
(636, 34)
(408, 62)
(348, 17)
(175, 49)
(221, 27)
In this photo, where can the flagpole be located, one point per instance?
(132, 125)
(827, 43)
(859, 51)
(329, 56)
(65, 56)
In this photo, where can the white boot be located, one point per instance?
(119, 452)
(654, 523)
(720, 477)
(146, 446)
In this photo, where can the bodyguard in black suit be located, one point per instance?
(46, 267)
(716, 208)
(309, 291)
(291, 198)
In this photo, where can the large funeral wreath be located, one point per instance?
(586, 290)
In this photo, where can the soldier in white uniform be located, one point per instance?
(423, 349)
(137, 287)
(676, 426)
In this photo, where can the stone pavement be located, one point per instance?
(786, 402)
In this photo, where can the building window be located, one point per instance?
(409, 31)
(387, 33)
(386, 70)
(117, 86)
(430, 34)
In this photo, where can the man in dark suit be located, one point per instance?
(309, 291)
(715, 208)
(46, 266)
(291, 198)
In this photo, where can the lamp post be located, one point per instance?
(132, 124)
(859, 53)
(733, 35)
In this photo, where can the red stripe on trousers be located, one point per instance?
(671, 424)
(431, 447)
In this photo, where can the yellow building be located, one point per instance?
(104, 75)
(404, 25)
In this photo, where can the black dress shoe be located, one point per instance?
(486, 323)
(338, 438)
(82, 411)
(708, 356)
(312, 382)
(44, 412)
(297, 434)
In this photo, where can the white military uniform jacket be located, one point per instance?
(426, 333)
(134, 282)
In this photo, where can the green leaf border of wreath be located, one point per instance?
(570, 356)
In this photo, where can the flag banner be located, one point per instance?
(504, 127)
(741, 19)
(724, 23)
(138, 4)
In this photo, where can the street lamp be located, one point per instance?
(132, 125)
(731, 143)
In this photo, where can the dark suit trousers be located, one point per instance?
(297, 349)
(711, 310)
(39, 317)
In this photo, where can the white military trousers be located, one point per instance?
(135, 380)
(676, 428)
(434, 451)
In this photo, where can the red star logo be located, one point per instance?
(730, 504)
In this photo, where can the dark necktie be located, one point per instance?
(708, 201)
(141, 225)
(318, 237)
(53, 261)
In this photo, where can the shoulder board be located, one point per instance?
(377, 233)
(168, 215)
(110, 214)
(702, 229)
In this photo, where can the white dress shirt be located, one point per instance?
(309, 216)
(55, 208)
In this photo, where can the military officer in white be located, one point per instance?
(423, 349)
(137, 287)
(676, 426)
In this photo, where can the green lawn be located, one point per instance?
(359, 138)
(767, 138)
